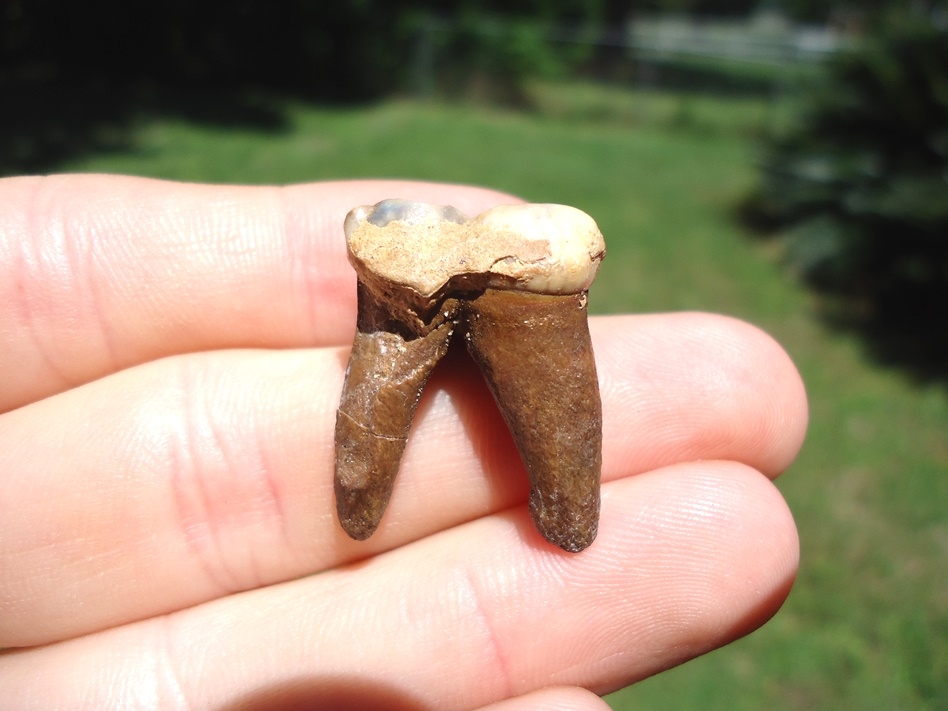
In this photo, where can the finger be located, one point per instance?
(688, 559)
(98, 273)
(190, 478)
(736, 392)
(559, 698)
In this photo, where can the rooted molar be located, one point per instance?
(514, 279)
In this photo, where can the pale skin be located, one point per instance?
(171, 357)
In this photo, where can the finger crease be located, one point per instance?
(193, 501)
(27, 267)
(302, 258)
(274, 498)
(168, 681)
(84, 262)
(495, 646)
(195, 525)
(264, 500)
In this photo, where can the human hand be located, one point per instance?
(171, 357)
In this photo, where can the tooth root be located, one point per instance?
(536, 355)
(388, 369)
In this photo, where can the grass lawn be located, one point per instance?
(867, 623)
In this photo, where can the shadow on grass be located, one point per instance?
(46, 124)
(905, 330)
(894, 303)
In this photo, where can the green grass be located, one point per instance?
(867, 623)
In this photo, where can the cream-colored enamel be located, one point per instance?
(550, 249)
(556, 249)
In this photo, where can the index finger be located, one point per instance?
(99, 272)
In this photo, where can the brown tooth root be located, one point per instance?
(536, 355)
(387, 371)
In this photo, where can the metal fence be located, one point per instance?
(764, 38)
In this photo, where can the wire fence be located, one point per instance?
(765, 40)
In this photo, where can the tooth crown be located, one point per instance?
(434, 250)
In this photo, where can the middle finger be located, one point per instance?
(196, 476)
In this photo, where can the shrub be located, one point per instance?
(859, 189)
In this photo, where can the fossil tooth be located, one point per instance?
(515, 280)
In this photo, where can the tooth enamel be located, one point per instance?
(547, 249)
(554, 249)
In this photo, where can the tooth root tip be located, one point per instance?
(572, 543)
(359, 510)
(357, 534)
(356, 527)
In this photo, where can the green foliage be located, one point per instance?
(489, 57)
(860, 189)
(331, 50)
(74, 76)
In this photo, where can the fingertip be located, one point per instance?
(717, 387)
(697, 554)
(789, 415)
(558, 698)
(758, 362)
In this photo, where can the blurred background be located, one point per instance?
(783, 161)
